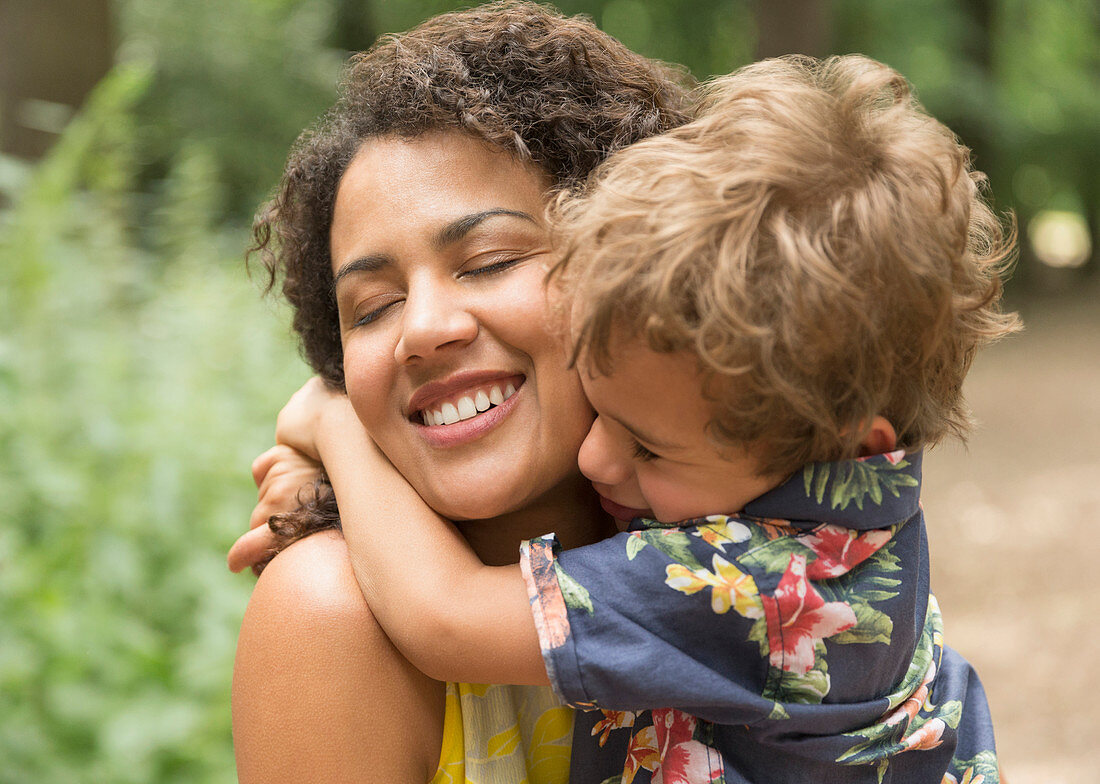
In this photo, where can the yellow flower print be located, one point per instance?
(729, 586)
(720, 530)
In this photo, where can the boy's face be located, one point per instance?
(648, 454)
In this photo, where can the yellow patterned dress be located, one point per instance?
(504, 735)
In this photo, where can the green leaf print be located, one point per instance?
(884, 561)
(951, 713)
(634, 545)
(855, 481)
(759, 634)
(575, 594)
(884, 741)
(881, 740)
(922, 658)
(881, 769)
(808, 689)
(778, 712)
(774, 556)
(815, 477)
(984, 764)
(675, 544)
(871, 626)
(878, 596)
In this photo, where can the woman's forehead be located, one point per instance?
(420, 187)
(437, 163)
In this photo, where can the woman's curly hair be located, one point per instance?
(550, 89)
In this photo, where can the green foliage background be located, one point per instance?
(140, 370)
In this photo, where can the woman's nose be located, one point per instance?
(433, 318)
(599, 457)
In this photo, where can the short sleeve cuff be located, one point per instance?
(548, 607)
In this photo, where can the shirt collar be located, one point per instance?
(864, 493)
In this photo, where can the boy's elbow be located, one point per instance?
(431, 639)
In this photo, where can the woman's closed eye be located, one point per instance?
(494, 267)
(493, 263)
(372, 315)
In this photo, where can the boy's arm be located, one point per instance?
(453, 617)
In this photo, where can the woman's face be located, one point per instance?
(439, 251)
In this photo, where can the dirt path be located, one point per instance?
(1014, 528)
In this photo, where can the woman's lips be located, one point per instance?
(466, 404)
(620, 512)
(466, 430)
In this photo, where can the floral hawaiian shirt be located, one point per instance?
(794, 642)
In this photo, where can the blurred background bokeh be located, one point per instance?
(140, 370)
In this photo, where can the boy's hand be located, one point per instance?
(280, 473)
(300, 418)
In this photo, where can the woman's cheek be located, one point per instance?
(366, 380)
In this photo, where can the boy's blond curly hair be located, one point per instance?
(816, 239)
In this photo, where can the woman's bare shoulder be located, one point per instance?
(319, 692)
(314, 576)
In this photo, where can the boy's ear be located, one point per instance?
(880, 438)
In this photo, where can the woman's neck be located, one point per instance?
(571, 510)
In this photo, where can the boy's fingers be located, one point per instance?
(261, 513)
(280, 494)
(262, 464)
(250, 548)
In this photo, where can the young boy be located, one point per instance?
(772, 309)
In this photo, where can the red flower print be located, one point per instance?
(839, 549)
(908, 710)
(613, 720)
(683, 760)
(669, 750)
(798, 617)
(927, 736)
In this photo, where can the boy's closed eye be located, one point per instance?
(642, 453)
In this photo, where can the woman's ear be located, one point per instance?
(880, 438)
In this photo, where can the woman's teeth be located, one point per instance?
(466, 406)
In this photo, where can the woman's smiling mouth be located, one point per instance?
(466, 406)
(462, 408)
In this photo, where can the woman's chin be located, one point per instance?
(461, 505)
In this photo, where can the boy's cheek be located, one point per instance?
(670, 499)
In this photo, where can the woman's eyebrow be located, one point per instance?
(369, 263)
(460, 227)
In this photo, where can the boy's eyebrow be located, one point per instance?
(460, 227)
(641, 435)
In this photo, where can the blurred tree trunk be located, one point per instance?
(793, 26)
(52, 52)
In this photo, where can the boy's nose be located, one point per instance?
(600, 458)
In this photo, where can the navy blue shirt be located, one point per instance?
(794, 642)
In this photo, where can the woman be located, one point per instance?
(409, 228)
